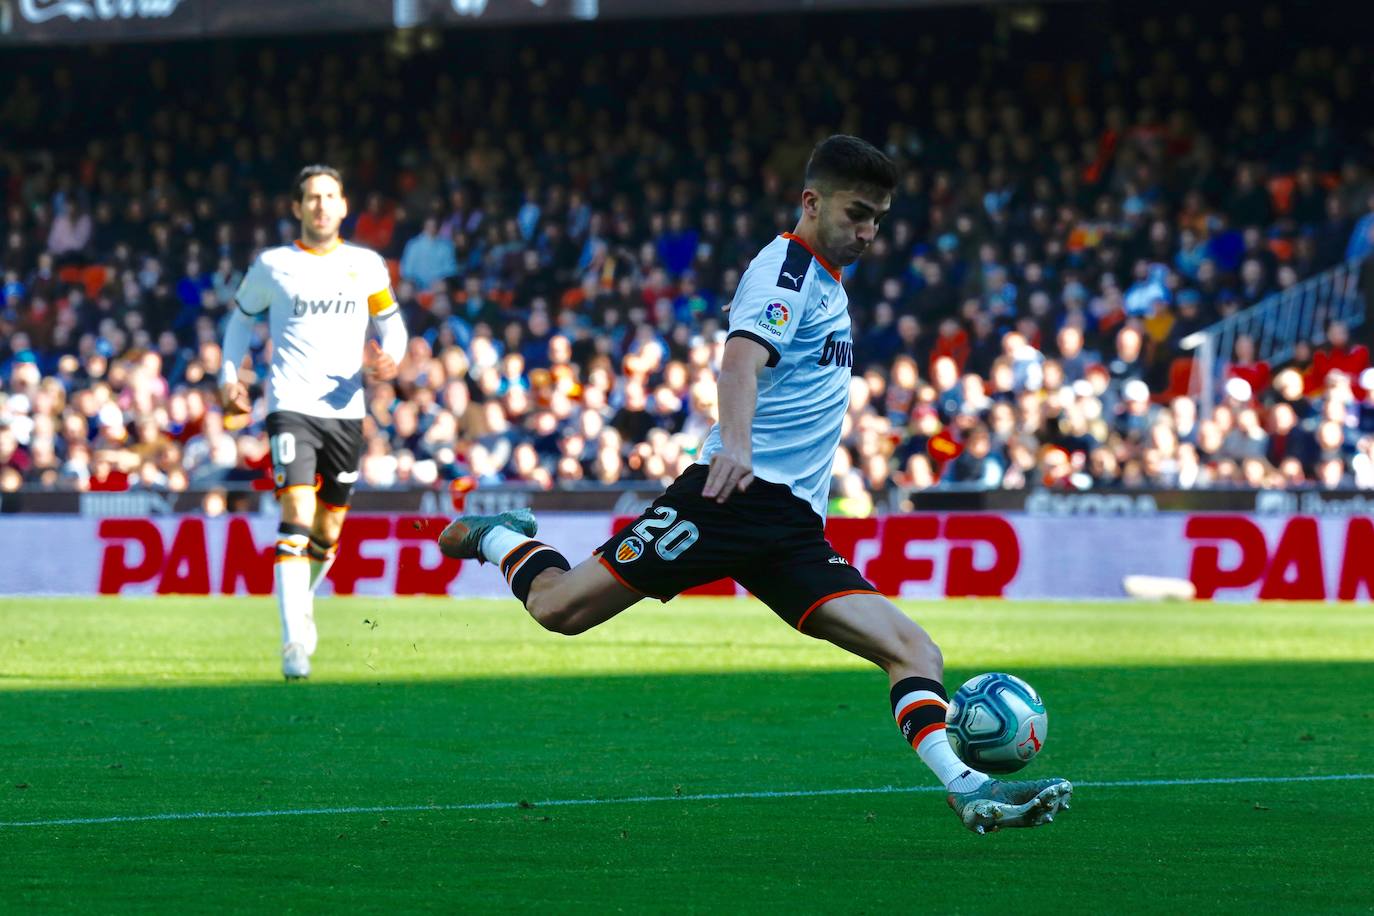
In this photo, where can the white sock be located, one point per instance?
(957, 776)
(920, 713)
(292, 577)
(319, 569)
(498, 542)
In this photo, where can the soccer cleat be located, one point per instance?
(462, 539)
(996, 804)
(295, 663)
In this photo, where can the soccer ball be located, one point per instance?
(996, 723)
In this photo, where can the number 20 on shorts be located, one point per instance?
(677, 538)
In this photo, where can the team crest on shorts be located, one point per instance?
(630, 549)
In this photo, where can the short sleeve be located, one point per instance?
(766, 313)
(255, 292)
(381, 302)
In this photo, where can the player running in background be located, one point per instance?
(753, 509)
(319, 295)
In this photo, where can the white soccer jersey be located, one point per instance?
(792, 303)
(319, 302)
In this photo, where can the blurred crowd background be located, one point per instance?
(567, 222)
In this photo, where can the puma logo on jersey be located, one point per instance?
(346, 477)
(301, 306)
(795, 280)
(838, 352)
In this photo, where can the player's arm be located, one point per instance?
(384, 355)
(732, 468)
(250, 301)
(764, 317)
(238, 332)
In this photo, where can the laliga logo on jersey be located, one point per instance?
(774, 319)
(630, 549)
(300, 306)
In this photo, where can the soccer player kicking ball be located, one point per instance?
(319, 295)
(753, 508)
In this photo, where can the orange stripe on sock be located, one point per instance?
(619, 578)
(925, 732)
(284, 557)
(511, 551)
(917, 705)
(510, 576)
(820, 601)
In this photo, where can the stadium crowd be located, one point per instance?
(567, 229)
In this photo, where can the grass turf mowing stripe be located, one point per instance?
(642, 799)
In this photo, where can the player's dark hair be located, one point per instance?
(847, 163)
(313, 171)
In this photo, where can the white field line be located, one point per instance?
(645, 799)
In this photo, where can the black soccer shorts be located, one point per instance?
(766, 539)
(321, 452)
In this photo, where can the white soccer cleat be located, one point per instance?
(295, 662)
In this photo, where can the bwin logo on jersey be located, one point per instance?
(838, 352)
(301, 306)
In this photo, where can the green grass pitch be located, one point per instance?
(122, 709)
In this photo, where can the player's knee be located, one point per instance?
(915, 649)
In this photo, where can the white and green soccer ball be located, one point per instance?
(996, 723)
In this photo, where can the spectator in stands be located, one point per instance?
(428, 258)
(1339, 355)
(1034, 268)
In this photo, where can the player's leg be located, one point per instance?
(681, 541)
(322, 549)
(324, 539)
(823, 596)
(293, 447)
(871, 626)
(337, 459)
(560, 598)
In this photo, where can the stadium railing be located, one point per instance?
(1277, 324)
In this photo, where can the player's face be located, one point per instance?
(849, 222)
(321, 209)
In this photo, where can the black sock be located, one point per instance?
(525, 562)
(919, 706)
(317, 551)
(292, 540)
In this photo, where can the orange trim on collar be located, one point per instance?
(833, 271)
(319, 252)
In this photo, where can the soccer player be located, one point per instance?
(319, 295)
(753, 508)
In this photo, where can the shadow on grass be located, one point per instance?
(130, 751)
(122, 752)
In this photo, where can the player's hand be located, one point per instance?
(378, 365)
(730, 473)
(233, 397)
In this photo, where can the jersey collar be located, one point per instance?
(322, 250)
(833, 271)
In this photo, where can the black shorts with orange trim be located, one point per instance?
(766, 539)
(322, 452)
